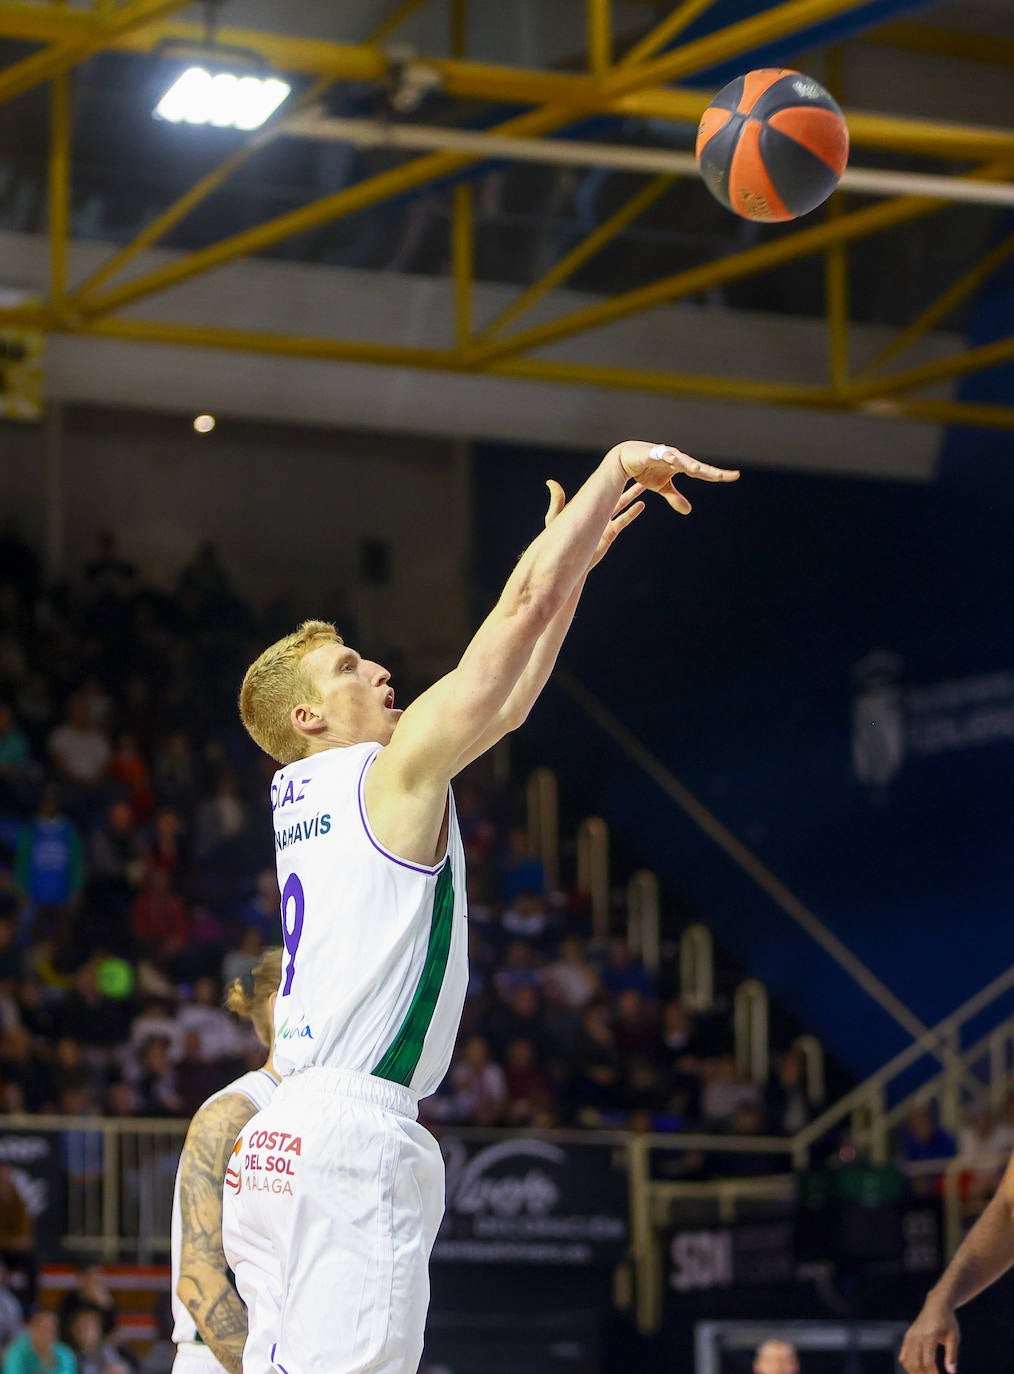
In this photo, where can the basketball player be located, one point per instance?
(209, 1319)
(985, 1253)
(330, 1227)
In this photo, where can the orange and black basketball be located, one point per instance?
(772, 145)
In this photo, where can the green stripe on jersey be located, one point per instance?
(400, 1062)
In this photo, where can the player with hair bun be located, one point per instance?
(209, 1320)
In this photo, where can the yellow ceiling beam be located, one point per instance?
(58, 199)
(933, 41)
(780, 21)
(593, 243)
(935, 313)
(462, 261)
(530, 369)
(664, 32)
(490, 82)
(61, 57)
(599, 35)
(208, 184)
(360, 196)
(762, 258)
(993, 354)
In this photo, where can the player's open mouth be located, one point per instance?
(389, 701)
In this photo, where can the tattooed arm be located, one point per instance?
(204, 1286)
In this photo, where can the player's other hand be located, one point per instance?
(655, 465)
(625, 512)
(935, 1325)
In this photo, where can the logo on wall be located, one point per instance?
(893, 721)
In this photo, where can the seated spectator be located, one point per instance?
(238, 963)
(21, 1064)
(519, 869)
(15, 762)
(634, 1025)
(157, 1017)
(109, 578)
(78, 750)
(218, 1035)
(129, 770)
(167, 850)
(116, 856)
(91, 1294)
(90, 1017)
(37, 1350)
(519, 1017)
(529, 1089)
(159, 918)
(571, 981)
(527, 918)
(35, 709)
(519, 969)
(983, 1150)
(49, 868)
(174, 770)
(922, 1138)
(95, 1354)
(156, 1087)
(478, 1085)
(220, 819)
(625, 972)
(261, 912)
(786, 1099)
(642, 1088)
(748, 1120)
(596, 1080)
(12, 1317)
(724, 1091)
(776, 1357)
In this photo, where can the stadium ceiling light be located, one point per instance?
(221, 99)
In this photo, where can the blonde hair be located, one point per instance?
(255, 1005)
(275, 683)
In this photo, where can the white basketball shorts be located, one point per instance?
(194, 1358)
(331, 1206)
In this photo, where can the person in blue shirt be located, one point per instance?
(49, 868)
(37, 1350)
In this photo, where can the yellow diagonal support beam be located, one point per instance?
(941, 370)
(463, 261)
(599, 26)
(581, 253)
(208, 184)
(937, 42)
(774, 253)
(352, 199)
(58, 206)
(938, 310)
(489, 82)
(778, 22)
(53, 61)
(664, 32)
(450, 360)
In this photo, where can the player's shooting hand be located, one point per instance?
(655, 465)
(935, 1325)
(625, 512)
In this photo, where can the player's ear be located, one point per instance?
(306, 720)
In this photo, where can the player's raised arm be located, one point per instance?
(405, 789)
(204, 1286)
(985, 1253)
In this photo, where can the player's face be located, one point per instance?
(356, 698)
(776, 1358)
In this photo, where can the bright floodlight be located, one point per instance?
(223, 100)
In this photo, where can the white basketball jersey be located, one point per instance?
(259, 1087)
(376, 958)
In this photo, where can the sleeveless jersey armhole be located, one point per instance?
(429, 870)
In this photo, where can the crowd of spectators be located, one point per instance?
(136, 880)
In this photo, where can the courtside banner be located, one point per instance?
(532, 1201)
(36, 1172)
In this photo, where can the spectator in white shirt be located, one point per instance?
(78, 749)
(478, 1084)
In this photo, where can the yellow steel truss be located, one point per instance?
(621, 76)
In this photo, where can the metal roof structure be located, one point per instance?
(533, 175)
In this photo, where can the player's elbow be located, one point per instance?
(535, 604)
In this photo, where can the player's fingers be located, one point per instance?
(557, 500)
(630, 493)
(951, 1341)
(704, 472)
(625, 518)
(676, 500)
